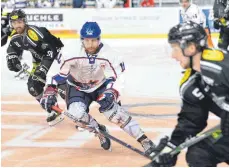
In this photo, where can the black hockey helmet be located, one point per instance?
(187, 32)
(18, 14)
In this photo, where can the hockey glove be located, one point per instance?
(41, 72)
(13, 63)
(49, 98)
(165, 159)
(7, 30)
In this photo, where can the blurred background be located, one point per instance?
(136, 28)
(95, 3)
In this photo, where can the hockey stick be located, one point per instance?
(24, 69)
(102, 133)
(188, 143)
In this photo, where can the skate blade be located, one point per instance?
(80, 129)
(56, 121)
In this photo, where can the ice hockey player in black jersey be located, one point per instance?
(221, 17)
(44, 47)
(5, 27)
(203, 88)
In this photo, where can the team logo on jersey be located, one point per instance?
(32, 35)
(91, 60)
(102, 65)
(213, 55)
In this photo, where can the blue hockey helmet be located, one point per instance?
(90, 30)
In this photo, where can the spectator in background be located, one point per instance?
(47, 4)
(126, 3)
(78, 3)
(105, 3)
(147, 3)
(19, 3)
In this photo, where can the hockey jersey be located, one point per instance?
(196, 103)
(193, 13)
(88, 72)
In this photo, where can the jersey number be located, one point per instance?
(196, 92)
(50, 54)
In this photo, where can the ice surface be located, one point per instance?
(150, 72)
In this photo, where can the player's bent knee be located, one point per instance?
(77, 111)
(117, 115)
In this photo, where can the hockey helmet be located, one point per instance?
(90, 30)
(18, 14)
(187, 32)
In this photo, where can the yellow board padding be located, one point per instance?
(120, 36)
(74, 34)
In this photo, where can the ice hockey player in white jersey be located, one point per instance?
(191, 12)
(90, 76)
(105, 3)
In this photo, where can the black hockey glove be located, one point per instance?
(7, 30)
(49, 98)
(35, 87)
(217, 24)
(13, 63)
(41, 72)
(164, 158)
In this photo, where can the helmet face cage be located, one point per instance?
(16, 15)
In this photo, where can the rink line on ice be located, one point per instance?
(31, 113)
(6, 153)
(32, 132)
(38, 138)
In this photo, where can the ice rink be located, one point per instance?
(151, 95)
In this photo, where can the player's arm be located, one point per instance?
(114, 70)
(42, 39)
(198, 16)
(215, 75)
(192, 119)
(13, 55)
(227, 8)
(57, 82)
(5, 28)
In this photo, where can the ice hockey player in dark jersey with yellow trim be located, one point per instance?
(44, 47)
(204, 88)
(221, 22)
(5, 27)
